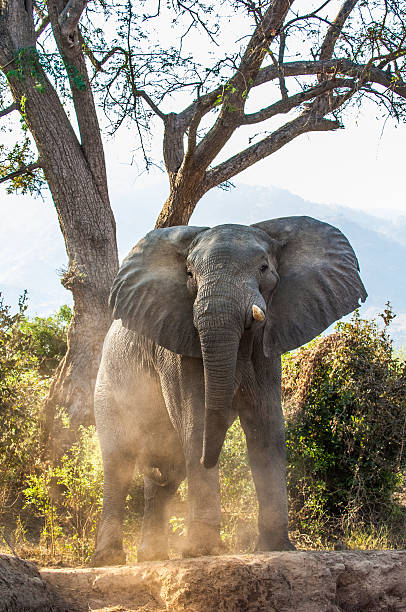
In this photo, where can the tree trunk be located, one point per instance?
(186, 189)
(88, 227)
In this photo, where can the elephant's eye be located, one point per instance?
(264, 267)
(189, 273)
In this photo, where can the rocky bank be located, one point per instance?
(350, 581)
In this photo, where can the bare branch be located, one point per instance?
(305, 17)
(388, 80)
(302, 68)
(197, 19)
(70, 16)
(238, 87)
(327, 48)
(335, 66)
(28, 169)
(282, 84)
(98, 64)
(141, 94)
(8, 110)
(204, 104)
(194, 124)
(286, 105)
(307, 122)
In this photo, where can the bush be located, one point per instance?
(345, 403)
(21, 392)
(48, 339)
(68, 497)
(29, 354)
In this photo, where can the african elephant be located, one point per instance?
(202, 316)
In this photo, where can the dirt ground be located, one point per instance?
(345, 581)
(276, 582)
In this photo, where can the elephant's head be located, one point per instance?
(196, 291)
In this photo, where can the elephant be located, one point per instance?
(201, 317)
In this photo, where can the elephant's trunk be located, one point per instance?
(220, 327)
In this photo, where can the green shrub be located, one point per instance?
(345, 403)
(21, 392)
(29, 354)
(68, 497)
(48, 339)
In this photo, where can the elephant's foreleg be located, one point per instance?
(204, 516)
(154, 537)
(118, 471)
(182, 380)
(264, 431)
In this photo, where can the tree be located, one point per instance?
(347, 53)
(75, 171)
(358, 53)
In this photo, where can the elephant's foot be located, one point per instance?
(203, 539)
(108, 556)
(269, 542)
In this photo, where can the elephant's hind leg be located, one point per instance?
(118, 471)
(154, 537)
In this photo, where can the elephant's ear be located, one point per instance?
(319, 281)
(150, 295)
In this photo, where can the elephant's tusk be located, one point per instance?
(257, 313)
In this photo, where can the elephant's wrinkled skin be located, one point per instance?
(201, 319)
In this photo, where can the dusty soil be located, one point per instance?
(23, 590)
(276, 582)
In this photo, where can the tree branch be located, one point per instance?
(327, 48)
(335, 66)
(74, 61)
(238, 87)
(306, 16)
(142, 94)
(9, 109)
(98, 64)
(44, 20)
(307, 122)
(282, 84)
(301, 68)
(28, 169)
(173, 148)
(203, 103)
(192, 133)
(389, 80)
(286, 105)
(70, 16)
